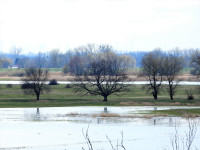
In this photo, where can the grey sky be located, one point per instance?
(41, 25)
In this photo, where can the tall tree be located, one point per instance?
(15, 52)
(5, 62)
(54, 59)
(105, 75)
(195, 61)
(152, 70)
(173, 65)
(34, 82)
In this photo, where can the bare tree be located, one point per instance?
(34, 82)
(152, 70)
(104, 75)
(54, 59)
(5, 62)
(76, 65)
(195, 62)
(15, 52)
(173, 65)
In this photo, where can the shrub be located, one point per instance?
(9, 85)
(26, 86)
(189, 94)
(68, 86)
(53, 82)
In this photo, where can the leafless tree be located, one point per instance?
(152, 70)
(195, 62)
(105, 74)
(15, 52)
(34, 82)
(173, 65)
(5, 62)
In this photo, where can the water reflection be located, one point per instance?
(37, 116)
(154, 121)
(105, 110)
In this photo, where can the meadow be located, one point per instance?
(60, 96)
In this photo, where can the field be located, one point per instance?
(8, 74)
(12, 96)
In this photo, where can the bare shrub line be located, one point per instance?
(178, 143)
(90, 146)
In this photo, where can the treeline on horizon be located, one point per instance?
(72, 58)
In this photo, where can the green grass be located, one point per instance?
(61, 96)
(178, 112)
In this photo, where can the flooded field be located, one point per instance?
(134, 82)
(62, 128)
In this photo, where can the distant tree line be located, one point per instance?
(72, 60)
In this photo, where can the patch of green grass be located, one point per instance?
(178, 112)
(61, 96)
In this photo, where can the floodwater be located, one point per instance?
(135, 82)
(62, 128)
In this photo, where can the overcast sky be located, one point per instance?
(41, 25)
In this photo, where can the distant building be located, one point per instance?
(14, 67)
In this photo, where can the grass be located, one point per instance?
(61, 96)
(178, 112)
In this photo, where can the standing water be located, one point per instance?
(64, 128)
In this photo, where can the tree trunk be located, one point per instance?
(38, 97)
(171, 92)
(171, 95)
(105, 99)
(155, 94)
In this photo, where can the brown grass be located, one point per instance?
(60, 76)
(73, 114)
(109, 115)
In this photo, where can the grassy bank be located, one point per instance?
(61, 96)
(178, 112)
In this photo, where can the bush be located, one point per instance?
(189, 94)
(9, 85)
(53, 82)
(26, 86)
(68, 86)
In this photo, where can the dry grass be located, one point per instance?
(60, 76)
(73, 114)
(109, 115)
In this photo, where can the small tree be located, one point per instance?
(104, 75)
(34, 82)
(173, 65)
(152, 70)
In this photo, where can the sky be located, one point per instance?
(127, 25)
